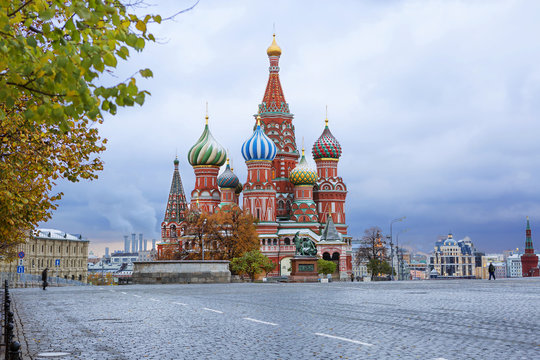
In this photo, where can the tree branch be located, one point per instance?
(19, 8)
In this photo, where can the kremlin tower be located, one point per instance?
(206, 157)
(284, 194)
(529, 260)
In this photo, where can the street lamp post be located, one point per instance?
(397, 250)
(202, 238)
(392, 244)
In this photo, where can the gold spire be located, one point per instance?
(258, 120)
(326, 120)
(273, 49)
(206, 117)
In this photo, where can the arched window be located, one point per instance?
(263, 241)
(287, 241)
(275, 241)
(335, 256)
(326, 256)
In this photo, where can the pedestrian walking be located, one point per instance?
(44, 278)
(491, 270)
(352, 277)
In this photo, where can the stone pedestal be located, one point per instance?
(304, 269)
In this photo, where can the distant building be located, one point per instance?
(529, 260)
(513, 266)
(453, 258)
(64, 254)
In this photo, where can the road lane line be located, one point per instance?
(260, 321)
(344, 339)
(125, 293)
(136, 295)
(154, 299)
(179, 303)
(216, 311)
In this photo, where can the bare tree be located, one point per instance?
(372, 251)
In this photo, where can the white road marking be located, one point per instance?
(154, 299)
(111, 290)
(216, 311)
(344, 339)
(260, 321)
(137, 295)
(125, 293)
(439, 359)
(178, 303)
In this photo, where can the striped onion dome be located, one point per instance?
(259, 146)
(326, 146)
(303, 174)
(228, 179)
(207, 151)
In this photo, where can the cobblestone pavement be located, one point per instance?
(459, 319)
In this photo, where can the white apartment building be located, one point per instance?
(513, 265)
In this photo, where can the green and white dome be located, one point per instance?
(207, 151)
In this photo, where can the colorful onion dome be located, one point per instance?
(326, 146)
(259, 146)
(207, 151)
(273, 49)
(239, 188)
(228, 179)
(303, 174)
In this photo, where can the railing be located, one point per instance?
(30, 280)
(11, 346)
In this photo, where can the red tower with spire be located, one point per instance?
(529, 260)
(276, 120)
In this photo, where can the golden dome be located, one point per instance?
(273, 49)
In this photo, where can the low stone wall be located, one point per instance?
(181, 272)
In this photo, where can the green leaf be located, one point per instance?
(146, 73)
(110, 59)
(31, 41)
(141, 26)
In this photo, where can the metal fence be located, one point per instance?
(29, 280)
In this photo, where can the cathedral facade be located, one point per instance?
(282, 190)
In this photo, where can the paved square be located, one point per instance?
(459, 319)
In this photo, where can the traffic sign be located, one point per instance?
(21, 254)
(20, 269)
(21, 262)
(57, 262)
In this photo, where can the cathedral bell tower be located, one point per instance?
(259, 190)
(276, 121)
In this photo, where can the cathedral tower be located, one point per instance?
(171, 227)
(303, 209)
(228, 183)
(206, 157)
(259, 190)
(330, 191)
(276, 121)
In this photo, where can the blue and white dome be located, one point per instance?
(259, 146)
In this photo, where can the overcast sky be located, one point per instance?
(435, 104)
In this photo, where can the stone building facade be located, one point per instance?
(453, 258)
(64, 254)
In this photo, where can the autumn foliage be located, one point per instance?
(224, 234)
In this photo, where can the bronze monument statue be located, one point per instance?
(304, 246)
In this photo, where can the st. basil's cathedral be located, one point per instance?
(285, 194)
